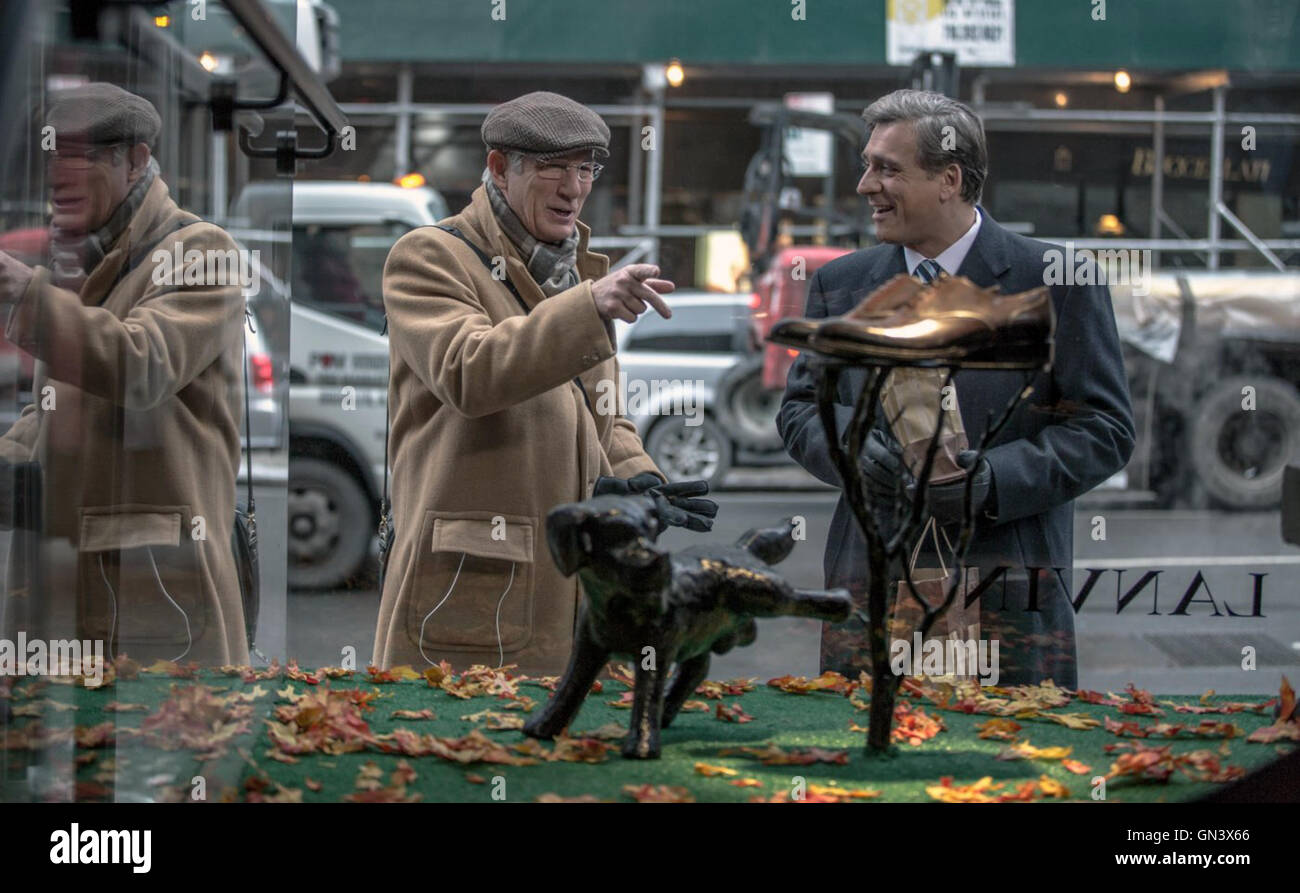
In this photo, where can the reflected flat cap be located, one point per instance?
(103, 113)
(545, 124)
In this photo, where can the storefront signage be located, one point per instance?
(981, 32)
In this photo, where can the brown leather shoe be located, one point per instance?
(881, 304)
(954, 319)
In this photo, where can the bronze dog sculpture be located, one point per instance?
(656, 609)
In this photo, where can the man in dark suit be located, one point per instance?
(925, 166)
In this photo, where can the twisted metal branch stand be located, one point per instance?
(888, 550)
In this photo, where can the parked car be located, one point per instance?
(685, 365)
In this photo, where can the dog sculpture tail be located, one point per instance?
(771, 545)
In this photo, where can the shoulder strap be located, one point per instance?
(138, 258)
(247, 435)
(487, 262)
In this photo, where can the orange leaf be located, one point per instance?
(1286, 709)
(1004, 729)
(734, 713)
(801, 685)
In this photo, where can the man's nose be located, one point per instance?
(60, 177)
(570, 185)
(868, 185)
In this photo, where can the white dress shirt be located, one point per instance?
(950, 259)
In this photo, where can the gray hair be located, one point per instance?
(931, 114)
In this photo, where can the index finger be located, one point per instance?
(652, 298)
(642, 272)
(684, 488)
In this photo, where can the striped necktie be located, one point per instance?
(928, 270)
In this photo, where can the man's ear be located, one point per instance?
(497, 163)
(137, 160)
(951, 181)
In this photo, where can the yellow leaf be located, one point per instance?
(979, 792)
(1023, 750)
(709, 770)
(1052, 788)
(821, 790)
(160, 666)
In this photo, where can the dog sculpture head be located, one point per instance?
(611, 540)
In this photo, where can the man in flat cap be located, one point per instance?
(137, 418)
(498, 336)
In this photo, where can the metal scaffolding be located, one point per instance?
(645, 171)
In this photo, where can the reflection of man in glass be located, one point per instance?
(135, 424)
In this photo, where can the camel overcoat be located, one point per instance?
(136, 426)
(488, 433)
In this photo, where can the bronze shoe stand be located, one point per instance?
(887, 555)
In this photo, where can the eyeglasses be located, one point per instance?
(83, 156)
(588, 171)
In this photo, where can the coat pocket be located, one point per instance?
(139, 563)
(473, 582)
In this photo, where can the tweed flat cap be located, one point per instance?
(102, 114)
(545, 124)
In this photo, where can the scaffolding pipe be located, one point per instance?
(655, 172)
(402, 133)
(1216, 176)
(1157, 175)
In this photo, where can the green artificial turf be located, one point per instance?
(817, 719)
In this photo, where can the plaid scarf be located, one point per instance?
(74, 256)
(553, 265)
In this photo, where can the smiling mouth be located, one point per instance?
(878, 211)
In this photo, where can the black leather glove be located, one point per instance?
(612, 486)
(948, 502)
(890, 486)
(886, 477)
(678, 503)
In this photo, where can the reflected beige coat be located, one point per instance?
(136, 426)
(488, 433)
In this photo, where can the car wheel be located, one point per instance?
(329, 524)
(746, 409)
(690, 452)
(1240, 454)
